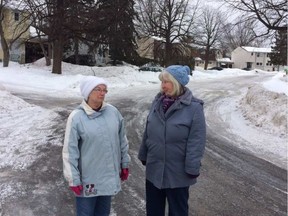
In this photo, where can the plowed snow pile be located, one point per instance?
(266, 109)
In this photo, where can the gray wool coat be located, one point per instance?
(173, 142)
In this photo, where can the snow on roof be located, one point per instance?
(33, 33)
(256, 49)
(163, 39)
(157, 38)
(224, 60)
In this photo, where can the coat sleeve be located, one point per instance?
(125, 158)
(142, 154)
(71, 153)
(196, 142)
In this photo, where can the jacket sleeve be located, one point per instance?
(125, 157)
(196, 142)
(71, 153)
(142, 154)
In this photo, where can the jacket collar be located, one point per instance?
(90, 112)
(186, 98)
(183, 100)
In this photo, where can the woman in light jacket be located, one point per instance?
(95, 151)
(173, 144)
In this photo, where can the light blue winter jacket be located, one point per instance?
(95, 149)
(174, 142)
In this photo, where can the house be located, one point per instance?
(215, 59)
(225, 62)
(252, 57)
(16, 31)
(150, 47)
(200, 56)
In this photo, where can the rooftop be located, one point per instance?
(258, 50)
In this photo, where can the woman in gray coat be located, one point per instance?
(173, 144)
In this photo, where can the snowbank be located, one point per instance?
(266, 109)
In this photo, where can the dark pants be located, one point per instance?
(156, 200)
(93, 206)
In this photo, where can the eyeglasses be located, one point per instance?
(100, 90)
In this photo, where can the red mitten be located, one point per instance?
(124, 174)
(77, 189)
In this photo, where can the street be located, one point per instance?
(233, 181)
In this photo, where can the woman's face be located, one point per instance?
(97, 95)
(167, 87)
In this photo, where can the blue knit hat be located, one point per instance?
(180, 73)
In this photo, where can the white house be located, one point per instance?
(252, 57)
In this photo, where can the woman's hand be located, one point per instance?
(77, 189)
(124, 174)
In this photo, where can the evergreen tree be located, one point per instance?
(121, 32)
(279, 51)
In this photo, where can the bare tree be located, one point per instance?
(209, 31)
(241, 34)
(4, 43)
(80, 21)
(39, 13)
(42, 38)
(59, 20)
(270, 13)
(11, 31)
(170, 20)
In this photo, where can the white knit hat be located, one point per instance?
(89, 83)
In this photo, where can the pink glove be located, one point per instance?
(77, 189)
(124, 174)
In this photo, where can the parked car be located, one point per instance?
(88, 60)
(216, 68)
(151, 68)
(115, 63)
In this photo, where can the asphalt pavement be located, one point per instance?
(233, 182)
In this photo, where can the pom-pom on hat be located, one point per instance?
(180, 73)
(89, 83)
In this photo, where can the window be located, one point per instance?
(16, 16)
(258, 54)
(252, 54)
